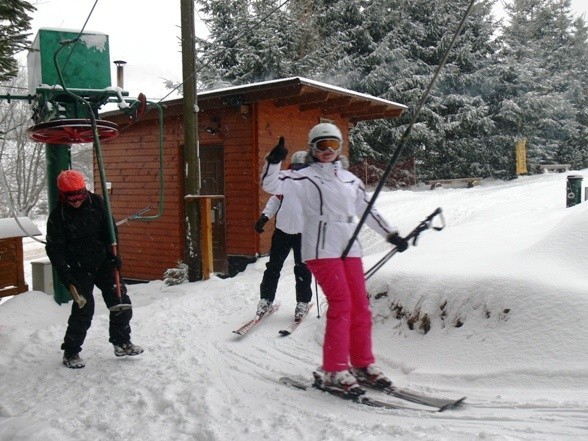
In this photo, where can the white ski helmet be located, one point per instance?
(298, 157)
(324, 131)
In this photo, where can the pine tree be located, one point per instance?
(218, 55)
(452, 133)
(494, 90)
(14, 24)
(253, 41)
(549, 85)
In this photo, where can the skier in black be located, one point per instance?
(78, 245)
(286, 237)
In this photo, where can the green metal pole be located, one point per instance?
(58, 157)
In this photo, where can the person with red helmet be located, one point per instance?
(78, 245)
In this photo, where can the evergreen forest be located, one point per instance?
(520, 77)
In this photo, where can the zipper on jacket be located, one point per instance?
(324, 234)
(318, 240)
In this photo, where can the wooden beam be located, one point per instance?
(329, 104)
(305, 98)
(206, 237)
(205, 213)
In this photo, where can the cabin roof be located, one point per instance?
(11, 227)
(306, 94)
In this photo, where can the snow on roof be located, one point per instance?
(9, 227)
(303, 81)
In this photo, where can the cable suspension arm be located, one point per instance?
(406, 134)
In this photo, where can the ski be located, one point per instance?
(290, 329)
(415, 397)
(248, 326)
(359, 399)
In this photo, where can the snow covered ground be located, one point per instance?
(502, 291)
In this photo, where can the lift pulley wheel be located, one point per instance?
(72, 131)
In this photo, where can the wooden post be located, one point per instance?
(206, 237)
(21, 284)
(191, 166)
(206, 220)
(521, 155)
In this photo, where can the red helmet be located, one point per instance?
(70, 180)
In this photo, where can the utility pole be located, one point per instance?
(192, 253)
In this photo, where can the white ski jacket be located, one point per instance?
(287, 211)
(330, 198)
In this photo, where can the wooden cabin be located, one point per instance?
(237, 127)
(12, 280)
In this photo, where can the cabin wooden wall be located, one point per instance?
(131, 162)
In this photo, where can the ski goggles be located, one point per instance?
(76, 196)
(327, 144)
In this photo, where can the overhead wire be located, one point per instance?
(77, 39)
(406, 134)
(236, 38)
(70, 53)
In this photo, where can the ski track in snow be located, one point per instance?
(173, 379)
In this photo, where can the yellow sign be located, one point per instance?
(521, 152)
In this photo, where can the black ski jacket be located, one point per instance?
(78, 238)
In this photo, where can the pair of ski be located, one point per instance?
(439, 404)
(249, 325)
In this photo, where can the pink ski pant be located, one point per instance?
(348, 335)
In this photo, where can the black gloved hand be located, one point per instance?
(400, 242)
(116, 261)
(67, 279)
(278, 153)
(260, 223)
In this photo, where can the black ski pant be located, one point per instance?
(80, 319)
(282, 243)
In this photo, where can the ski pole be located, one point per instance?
(111, 226)
(318, 306)
(369, 273)
(414, 235)
(404, 138)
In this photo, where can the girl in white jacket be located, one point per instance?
(286, 237)
(331, 198)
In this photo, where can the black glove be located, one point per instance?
(67, 279)
(116, 261)
(400, 242)
(260, 223)
(278, 153)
